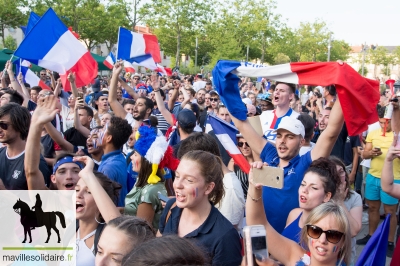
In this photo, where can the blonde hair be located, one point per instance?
(337, 212)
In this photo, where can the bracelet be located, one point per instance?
(253, 199)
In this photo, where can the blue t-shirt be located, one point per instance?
(279, 202)
(216, 235)
(113, 165)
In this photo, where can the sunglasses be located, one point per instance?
(332, 236)
(214, 99)
(4, 125)
(241, 144)
(136, 78)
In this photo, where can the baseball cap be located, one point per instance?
(186, 118)
(292, 125)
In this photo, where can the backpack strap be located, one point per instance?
(169, 212)
(97, 235)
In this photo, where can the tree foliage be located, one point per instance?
(10, 43)
(11, 15)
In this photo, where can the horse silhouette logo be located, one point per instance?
(32, 219)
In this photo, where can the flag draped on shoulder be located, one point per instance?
(59, 50)
(226, 134)
(132, 44)
(358, 96)
(30, 77)
(374, 252)
(109, 61)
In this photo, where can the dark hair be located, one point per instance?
(153, 121)
(145, 171)
(20, 118)
(120, 130)
(148, 102)
(381, 112)
(191, 91)
(128, 101)
(15, 97)
(291, 86)
(331, 89)
(272, 87)
(309, 124)
(196, 110)
(198, 141)
(136, 229)
(89, 110)
(339, 162)
(296, 97)
(36, 88)
(111, 187)
(168, 250)
(326, 169)
(210, 167)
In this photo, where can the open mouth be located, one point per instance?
(79, 207)
(69, 186)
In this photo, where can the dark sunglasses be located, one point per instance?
(332, 236)
(214, 99)
(136, 78)
(241, 144)
(4, 125)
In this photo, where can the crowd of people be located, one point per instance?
(155, 185)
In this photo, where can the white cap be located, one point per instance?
(292, 125)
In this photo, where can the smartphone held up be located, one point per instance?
(255, 243)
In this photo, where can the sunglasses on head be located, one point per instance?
(214, 99)
(241, 144)
(332, 236)
(4, 125)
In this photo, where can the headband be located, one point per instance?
(63, 160)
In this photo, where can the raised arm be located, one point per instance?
(255, 141)
(327, 140)
(160, 103)
(175, 94)
(396, 117)
(284, 250)
(387, 177)
(14, 83)
(44, 113)
(57, 88)
(186, 97)
(53, 81)
(105, 204)
(22, 84)
(71, 78)
(128, 89)
(117, 108)
(58, 138)
(77, 122)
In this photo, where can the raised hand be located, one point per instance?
(87, 171)
(155, 83)
(71, 77)
(45, 110)
(20, 77)
(118, 68)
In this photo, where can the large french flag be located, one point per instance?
(358, 95)
(132, 44)
(226, 134)
(109, 61)
(29, 76)
(33, 19)
(374, 252)
(58, 51)
(129, 67)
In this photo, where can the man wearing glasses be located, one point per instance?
(43, 77)
(14, 126)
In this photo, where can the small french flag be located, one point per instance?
(226, 134)
(132, 44)
(129, 67)
(29, 76)
(109, 61)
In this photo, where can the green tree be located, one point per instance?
(377, 57)
(281, 59)
(10, 43)
(11, 15)
(176, 23)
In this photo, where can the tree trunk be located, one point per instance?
(263, 49)
(2, 35)
(178, 50)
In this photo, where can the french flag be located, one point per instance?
(129, 67)
(29, 76)
(226, 134)
(146, 61)
(163, 70)
(109, 61)
(358, 95)
(132, 44)
(59, 51)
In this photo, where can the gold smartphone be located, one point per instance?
(269, 176)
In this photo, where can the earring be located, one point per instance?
(95, 218)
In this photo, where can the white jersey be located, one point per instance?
(270, 122)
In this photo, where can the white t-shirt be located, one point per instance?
(232, 204)
(270, 122)
(372, 127)
(305, 149)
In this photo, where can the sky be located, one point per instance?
(354, 21)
